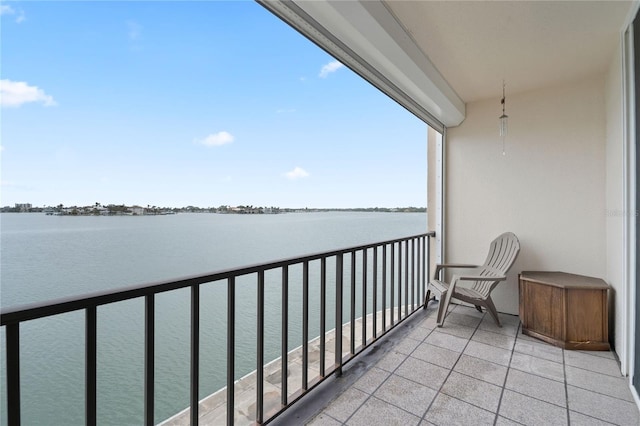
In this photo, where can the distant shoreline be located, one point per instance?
(121, 210)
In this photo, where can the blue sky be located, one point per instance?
(202, 103)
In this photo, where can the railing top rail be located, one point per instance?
(16, 314)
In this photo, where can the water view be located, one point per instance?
(46, 257)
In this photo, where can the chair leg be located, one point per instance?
(427, 298)
(479, 308)
(492, 310)
(443, 307)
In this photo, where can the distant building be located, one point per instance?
(23, 208)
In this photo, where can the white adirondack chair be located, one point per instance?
(502, 253)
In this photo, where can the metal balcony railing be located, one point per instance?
(399, 272)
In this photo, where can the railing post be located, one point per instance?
(260, 351)
(384, 288)
(90, 366)
(338, 329)
(195, 353)
(375, 292)
(392, 278)
(399, 281)
(323, 313)
(364, 298)
(231, 343)
(305, 325)
(284, 344)
(149, 359)
(12, 339)
(352, 330)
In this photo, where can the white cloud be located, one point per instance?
(296, 173)
(16, 93)
(217, 139)
(332, 66)
(8, 10)
(134, 30)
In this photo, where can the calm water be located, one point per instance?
(45, 257)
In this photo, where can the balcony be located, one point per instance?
(472, 372)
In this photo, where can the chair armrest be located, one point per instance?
(441, 266)
(481, 278)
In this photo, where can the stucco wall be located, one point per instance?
(549, 188)
(615, 210)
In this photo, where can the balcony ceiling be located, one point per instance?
(531, 44)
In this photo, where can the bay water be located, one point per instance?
(47, 257)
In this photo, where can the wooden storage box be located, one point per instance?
(565, 310)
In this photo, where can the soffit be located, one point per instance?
(531, 44)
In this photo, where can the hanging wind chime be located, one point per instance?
(503, 122)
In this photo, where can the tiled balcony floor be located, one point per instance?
(471, 372)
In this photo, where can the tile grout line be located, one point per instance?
(439, 391)
(566, 387)
(506, 376)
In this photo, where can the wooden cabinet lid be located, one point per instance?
(563, 279)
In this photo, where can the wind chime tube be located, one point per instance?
(503, 121)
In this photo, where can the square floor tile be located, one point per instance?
(537, 387)
(538, 366)
(530, 411)
(436, 355)
(593, 363)
(603, 407)
(346, 404)
(370, 380)
(406, 345)
(617, 387)
(474, 391)
(391, 361)
(481, 369)
(423, 372)
(323, 419)
(494, 339)
(539, 349)
(488, 353)
(489, 324)
(374, 410)
(405, 394)
(460, 318)
(578, 419)
(447, 341)
(451, 411)
(457, 330)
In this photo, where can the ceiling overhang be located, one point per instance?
(366, 37)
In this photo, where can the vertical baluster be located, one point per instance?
(428, 268)
(231, 346)
(305, 325)
(375, 292)
(392, 276)
(399, 280)
(364, 298)
(284, 345)
(12, 339)
(384, 287)
(423, 286)
(413, 274)
(195, 353)
(338, 329)
(260, 350)
(91, 366)
(323, 313)
(353, 304)
(406, 277)
(149, 359)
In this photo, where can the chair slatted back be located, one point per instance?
(502, 253)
